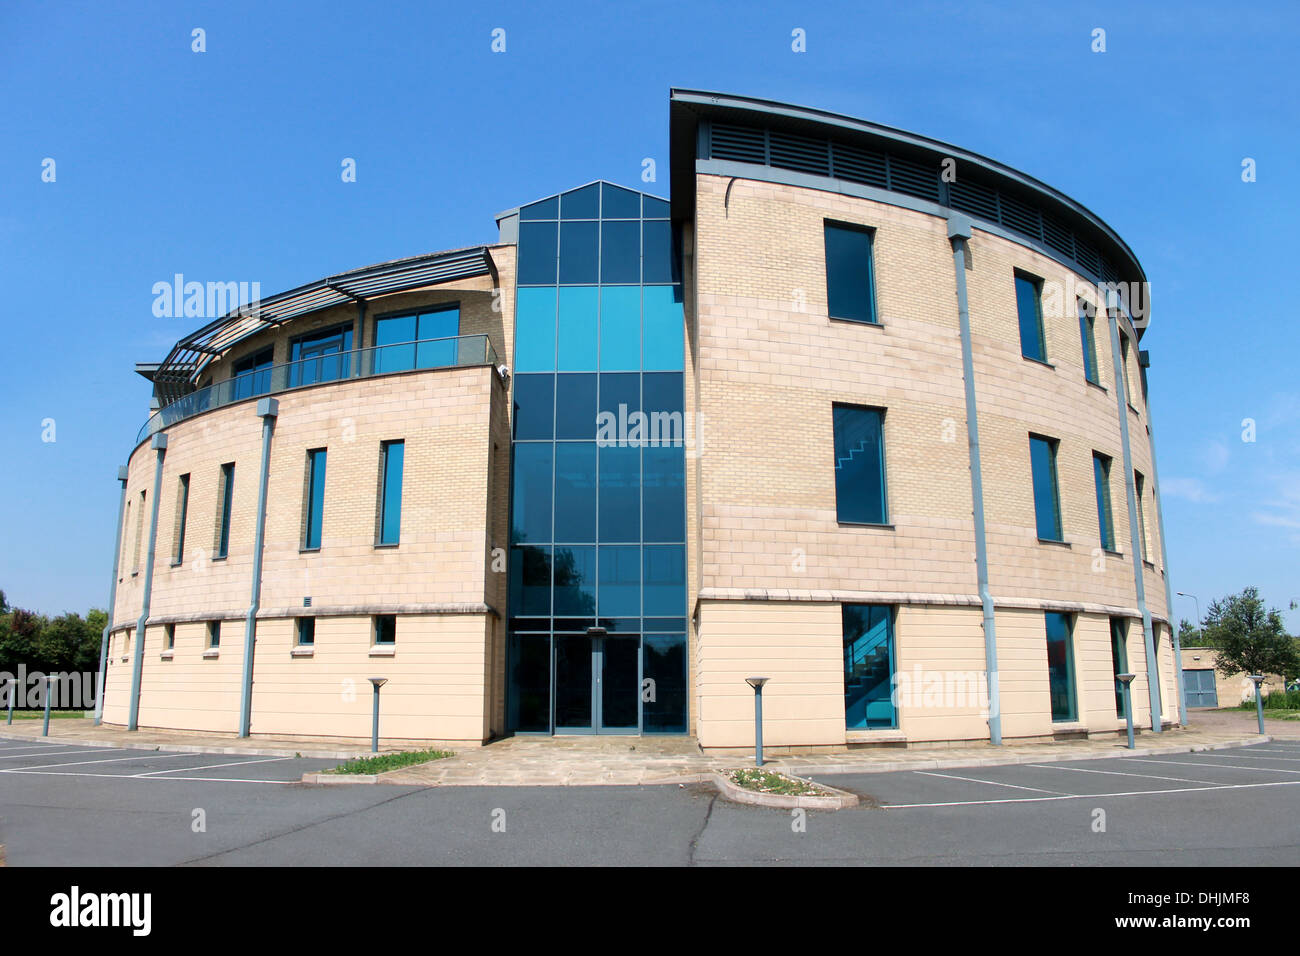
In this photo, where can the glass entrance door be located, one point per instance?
(597, 684)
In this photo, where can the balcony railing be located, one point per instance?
(463, 350)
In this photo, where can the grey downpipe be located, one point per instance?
(1164, 562)
(112, 602)
(267, 409)
(1135, 541)
(959, 232)
(159, 444)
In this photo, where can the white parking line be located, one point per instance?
(211, 766)
(60, 753)
(1090, 796)
(78, 763)
(1119, 773)
(1252, 756)
(994, 783)
(1208, 766)
(127, 776)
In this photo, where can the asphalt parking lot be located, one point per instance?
(76, 806)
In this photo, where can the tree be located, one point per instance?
(1189, 635)
(1249, 638)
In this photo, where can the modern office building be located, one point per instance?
(854, 410)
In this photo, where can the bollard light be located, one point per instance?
(757, 683)
(1259, 699)
(374, 727)
(13, 692)
(1124, 681)
(49, 692)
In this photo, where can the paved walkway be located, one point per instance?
(83, 731)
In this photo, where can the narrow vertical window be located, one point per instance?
(1029, 311)
(1105, 521)
(214, 635)
(850, 276)
(225, 498)
(306, 632)
(869, 665)
(1128, 382)
(1088, 336)
(169, 637)
(859, 465)
(139, 535)
(1119, 658)
(314, 499)
(1139, 489)
(1047, 502)
(391, 460)
(182, 513)
(1060, 666)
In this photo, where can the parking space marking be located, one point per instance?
(36, 747)
(950, 776)
(127, 776)
(79, 763)
(61, 753)
(1118, 773)
(1089, 796)
(1254, 757)
(1209, 766)
(211, 766)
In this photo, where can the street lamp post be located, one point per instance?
(1259, 699)
(1124, 681)
(1199, 624)
(13, 692)
(374, 726)
(757, 683)
(49, 692)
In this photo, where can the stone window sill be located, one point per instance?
(211, 654)
(1058, 543)
(302, 650)
(383, 650)
(165, 656)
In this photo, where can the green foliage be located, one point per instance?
(66, 643)
(1277, 700)
(381, 762)
(1189, 635)
(771, 781)
(1250, 639)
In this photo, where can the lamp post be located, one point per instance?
(49, 690)
(1124, 681)
(13, 692)
(757, 683)
(1259, 699)
(374, 726)
(1199, 625)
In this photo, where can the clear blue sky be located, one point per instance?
(225, 166)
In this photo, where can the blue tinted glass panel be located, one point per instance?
(1088, 337)
(663, 493)
(620, 328)
(321, 357)
(1047, 510)
(227, 498)
(530, 683)
(659, 260)
(663, 662)
(579, 315)
(582, 203)
(620, 397)
(1101, 477)
(859, 465)
(575, 581)
(1030, 318)
(620, 581)
(665, 579)
(868, 666)
(663, 391)
(530, 580)
(316, 497)
(530, 519)
(620, 495)
(534, 406)
(655, 208)
(252, 375)
(1060, 666)
(620, 203)
(535, 330)
(578, 252)
(620, 251)
(442, 325)
(1119, 658)
(537, 253)
(390, 521)
(545, 209)
(575, 492)
(850, 285)
(575, 406)
(664, 328)
(393, 349)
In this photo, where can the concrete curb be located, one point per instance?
(835, 800)
(334, 779)
(193, 748)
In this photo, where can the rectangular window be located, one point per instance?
(859, 464)
(1139, 489)
(869, 666)
(251, 375)
(314, 505)
(1029, 311)
(391, 459)
(306, 632)
(214, 635)
(1088, 335)
(169, 637)
(1105, 521)
(321, 356)
(182, 513)
(385, 628)
(1128, 382)
(1060, 666)
(225, 498)
(139, 534)
(420, 340)
(1047, 502)
(850, 278)
(1119, 658)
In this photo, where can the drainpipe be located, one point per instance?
(267, 410)
(959, 233)
(159, 444)
(112, 602)
(1135, 542)
(1144, 361)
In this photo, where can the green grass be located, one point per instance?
(382, 762)
(40, 714)
(769, 781)
(1278, 700)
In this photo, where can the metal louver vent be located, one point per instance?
(799, 153)
(1058, 237)
(973, 198)
(738, 143)
(1021, 217)
(913, 179)
(859, 166)
(1087, 256)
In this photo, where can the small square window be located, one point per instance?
(385, 628)
(214, 634)
(306, 631)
